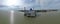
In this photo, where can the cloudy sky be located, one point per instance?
(50, 4)
(42, 4)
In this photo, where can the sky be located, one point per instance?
(50, 4)
(37, 4)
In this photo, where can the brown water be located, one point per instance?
(19, 18)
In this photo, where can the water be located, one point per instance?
(18, 17)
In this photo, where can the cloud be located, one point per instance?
(50, 4)
(40, 4)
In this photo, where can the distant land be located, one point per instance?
(39, 10)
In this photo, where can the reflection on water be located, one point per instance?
(12, 17)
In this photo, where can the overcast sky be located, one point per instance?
(50, 4)
(44, 4)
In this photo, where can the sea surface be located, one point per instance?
(7, 15)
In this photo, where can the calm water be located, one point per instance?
(19, 18)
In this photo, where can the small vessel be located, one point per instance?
(30, 12)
